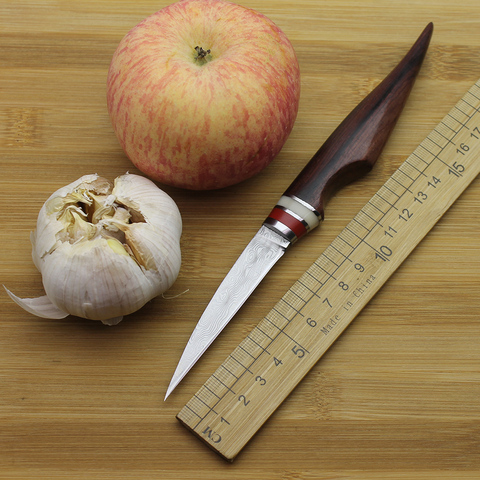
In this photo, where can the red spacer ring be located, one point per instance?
(295, 225)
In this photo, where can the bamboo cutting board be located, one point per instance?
(396, 397)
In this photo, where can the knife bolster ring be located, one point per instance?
(284, 228)
(292, 218)
(302, 208)
(281, 229)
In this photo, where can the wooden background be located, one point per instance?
(396, 397)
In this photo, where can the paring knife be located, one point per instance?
(349, 153)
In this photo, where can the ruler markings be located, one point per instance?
(427, 157)
(215, 385)
(371, 204)
(294, 300)
(280, 318)
(271, 329)
(216, 376)
(427, 146)
(246, 351)
(205, 394)
(387, 194)
(325, 264)
(477, 97)
(407, 187)
(286, 319)
(392, 188)
(452, 115)
(232, 367)
(432, 154)
(239, 362)
(449, 132)
(209, 408)
(268, 319)
(190, 412)
(361, 223)
(470, 104)
(339, 248)
(432, 140)
(377, 197)
(387, 230)
(299, 297)
(306, 290)
(432, 147)
(416, 153)
(371, 216)
(312, 277)
(348, 228)
(436, 156)
(254, 348)
(213, 393)
(459, 106)
(377, 252)
(348, 240)
(445, 124)
(457, 126)
(262, 340)
(475, 88)
(397, 181)
(351, 238)
(241, 398)
(457, 112)
(393, 184)
(284, 308)
(223, 372)
(329, 253)
(298, 344)
(410, 166)
(412, 161)
(341, 258)
(447, 137)
(443, 137)
(201, 409)
(408, 172)
(266, 334)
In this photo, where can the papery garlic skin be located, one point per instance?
(104, 252)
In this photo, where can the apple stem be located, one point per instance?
(201, 55)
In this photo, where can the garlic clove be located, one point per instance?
(44, 238)
(93, 280)
(40, 306)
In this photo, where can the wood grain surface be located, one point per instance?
(396, 397)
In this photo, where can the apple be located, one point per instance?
(203, 94)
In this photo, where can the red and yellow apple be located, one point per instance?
(203, 94)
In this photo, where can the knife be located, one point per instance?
(350, 152)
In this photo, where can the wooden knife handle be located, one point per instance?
(353, 148)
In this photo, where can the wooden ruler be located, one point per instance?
(262, 371)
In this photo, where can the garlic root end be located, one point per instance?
(112, 321)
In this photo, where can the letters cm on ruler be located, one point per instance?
(267, 365)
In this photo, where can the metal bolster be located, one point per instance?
(305, 204)
(281, 229)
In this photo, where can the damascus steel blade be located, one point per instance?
(254, 263)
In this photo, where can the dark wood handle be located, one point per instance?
(353, 148)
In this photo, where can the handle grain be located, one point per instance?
(354, 147)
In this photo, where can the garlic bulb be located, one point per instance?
(104, 251)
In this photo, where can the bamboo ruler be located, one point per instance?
(265, 367)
